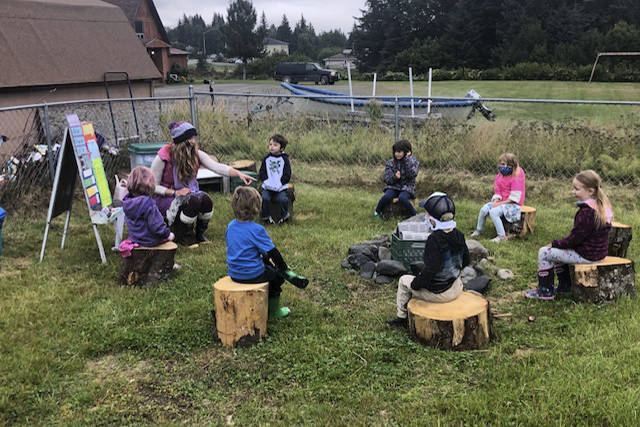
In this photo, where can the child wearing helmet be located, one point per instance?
(445, 255)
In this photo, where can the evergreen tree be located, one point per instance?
(283, 33)
(241, 39)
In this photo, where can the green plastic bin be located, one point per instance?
(141, 154)
(234, 181)
(407, 251)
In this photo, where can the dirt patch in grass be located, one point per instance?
(10, 267)
(110, 368)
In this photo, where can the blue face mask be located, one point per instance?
(505, 170)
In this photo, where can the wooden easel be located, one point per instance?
(79, 143)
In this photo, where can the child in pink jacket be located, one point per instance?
(508, 196)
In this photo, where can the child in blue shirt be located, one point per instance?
(275, 174)
(251, 255)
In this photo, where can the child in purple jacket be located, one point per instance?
(587, 243)
(145, 224)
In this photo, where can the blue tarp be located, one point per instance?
(386, 101)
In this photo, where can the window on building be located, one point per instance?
(139, 29)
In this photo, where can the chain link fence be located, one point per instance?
(328, 144)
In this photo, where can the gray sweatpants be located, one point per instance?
(405, 293)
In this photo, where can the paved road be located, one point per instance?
(183, 90)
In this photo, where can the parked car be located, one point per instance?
(295, 72)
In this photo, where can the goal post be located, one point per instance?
(593, 70)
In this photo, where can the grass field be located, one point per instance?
(79, 349)
(595, 91)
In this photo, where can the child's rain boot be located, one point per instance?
(275, 311)
(296, 280)
(564, 280)
(545, 286)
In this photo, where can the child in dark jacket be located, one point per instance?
(275, 174)
(251, 255)
(145, 224)
(400, 178)
(445, 255)
(588, 241)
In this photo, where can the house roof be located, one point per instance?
(176, 51)
(340, 57)
(130, 9)
(47, 42)
(155, 43)
(269, 40)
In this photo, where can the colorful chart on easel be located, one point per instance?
(94, 180)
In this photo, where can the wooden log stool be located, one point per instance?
(602, 281)
(241, 312)
(274, 207)
(526, 225)
(396, 210)
(244, 165)
(462, 324)
(146, 266)
(619, 239)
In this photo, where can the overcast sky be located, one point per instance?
(325, 15)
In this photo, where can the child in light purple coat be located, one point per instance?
(145, 224)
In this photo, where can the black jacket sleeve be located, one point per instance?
(286, 172)
(276, 258)
(466, 258)
(262, 173)
(432, 260)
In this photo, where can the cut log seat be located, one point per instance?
(146, 266)
(602, 281)
(526, 225)
(396, 210)
(241, 312)
(619, 239)
(462, 324)
(244, 165)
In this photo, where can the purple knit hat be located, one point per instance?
(181, 131)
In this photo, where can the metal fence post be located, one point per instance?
(47, 134)
(397, 121)
(192, 107)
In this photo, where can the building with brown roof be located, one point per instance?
(59, 50)
(143, 17)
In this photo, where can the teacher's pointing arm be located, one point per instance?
(222, 169)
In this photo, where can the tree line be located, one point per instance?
(240, 35)
(485, 34)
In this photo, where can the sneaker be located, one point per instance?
(539, 293)
(398, 322)
(377, 216)
(499, 239)
(285, 218)
(476, 233)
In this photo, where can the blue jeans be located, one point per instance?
(277, 196)
(496, 215)
(404, 198)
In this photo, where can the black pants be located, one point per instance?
(271, 275)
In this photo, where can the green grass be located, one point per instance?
(79, 349)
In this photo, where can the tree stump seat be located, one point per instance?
(396, 210)
(619, 239)
(605, 280)
(147, 266)
(462, 324)
(526, 225)
(244, 165)
(274, 207)
(241, 312)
